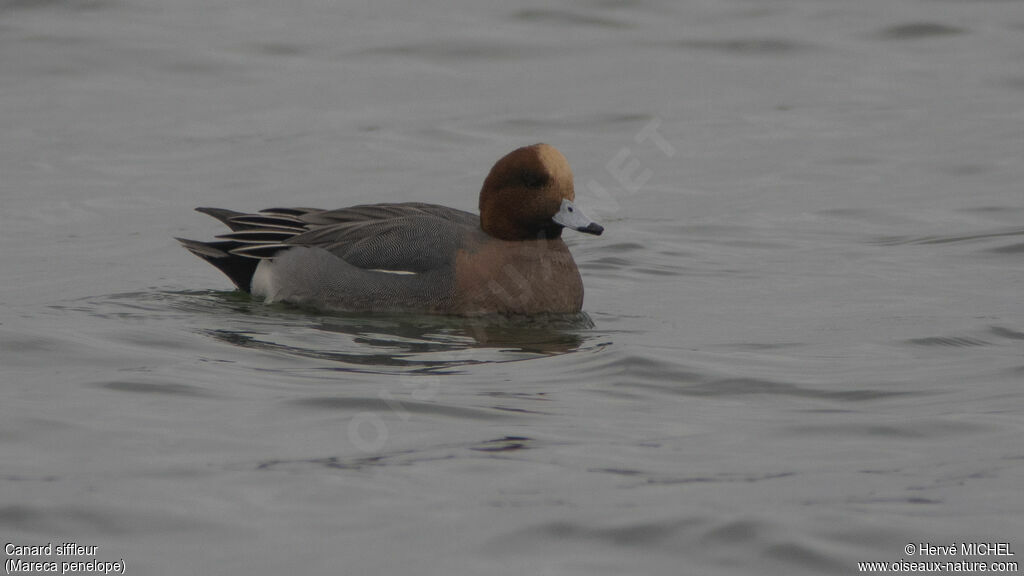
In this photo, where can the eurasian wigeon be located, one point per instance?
(416, 257)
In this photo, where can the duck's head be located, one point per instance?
(529, 194)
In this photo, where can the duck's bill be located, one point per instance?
(570, 216)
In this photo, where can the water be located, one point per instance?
(802, 346)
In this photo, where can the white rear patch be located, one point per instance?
(263, 280)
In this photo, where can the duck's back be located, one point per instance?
(379, 212)
(406, 237)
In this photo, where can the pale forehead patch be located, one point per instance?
(555, 163)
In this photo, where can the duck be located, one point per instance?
(414, 257)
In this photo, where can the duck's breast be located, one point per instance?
(517, 277)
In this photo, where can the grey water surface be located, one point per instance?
(802, 344)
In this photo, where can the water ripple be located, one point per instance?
(489, 449)
(373, 343)
(354, 403)
(1008, 249)
(916, 30)
(947, 239)
(633, 371)
(948, 341)
(564, 17)
(644, 534)
(746, 46)
(1003, 332)
(454, 51)
(168, 388)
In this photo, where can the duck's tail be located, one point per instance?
(254, 237)
(238, 268)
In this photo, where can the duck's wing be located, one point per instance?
(407, 237)
(366, 213)
(416, 244)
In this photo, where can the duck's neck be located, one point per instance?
(513, 234)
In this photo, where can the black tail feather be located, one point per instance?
(223, 215)
(253, 237)
(239, 269)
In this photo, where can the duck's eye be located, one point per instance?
(569, 208)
